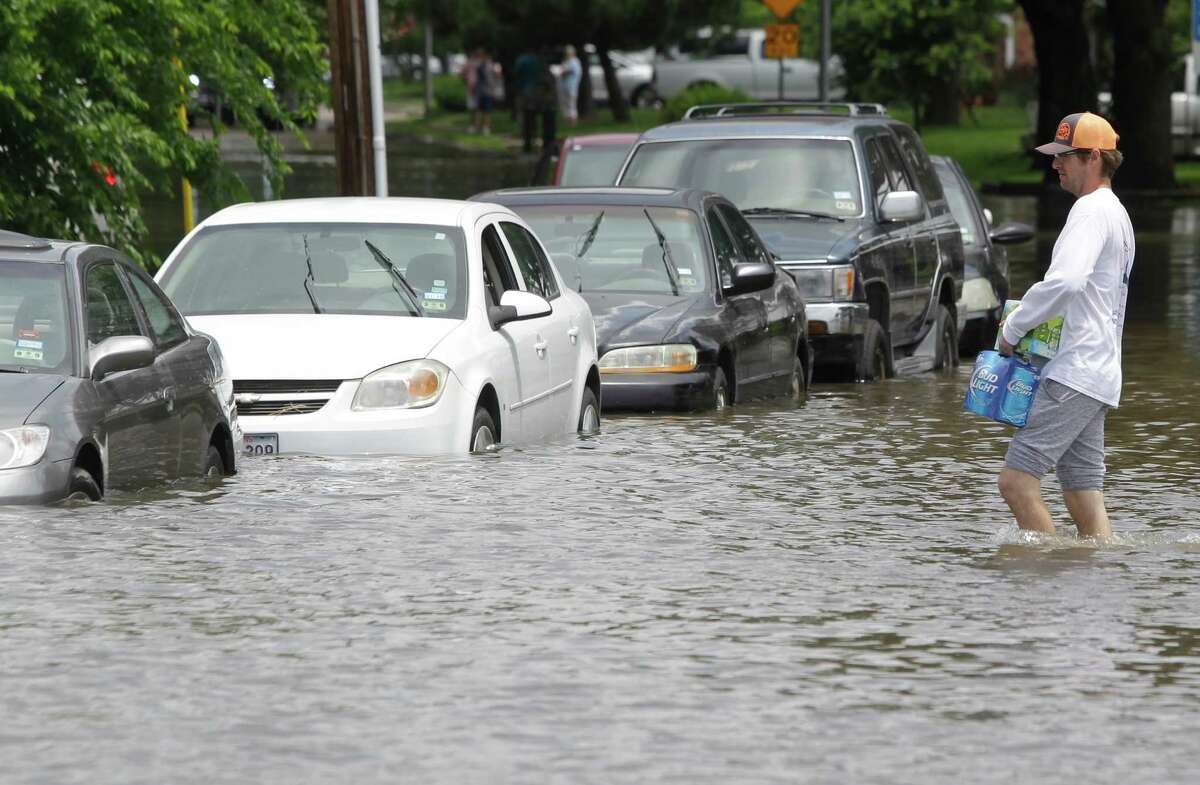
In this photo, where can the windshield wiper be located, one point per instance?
(590, 237)
(310, 277)
(785, 212)
(13, 369)
(386, 263)
(668, 262)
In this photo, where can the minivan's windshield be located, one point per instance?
(805, 175)
(620, 248)
(390, 269)
(35, 334)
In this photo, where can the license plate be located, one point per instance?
(260, 443)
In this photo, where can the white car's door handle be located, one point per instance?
(573, 334)
(540, 346)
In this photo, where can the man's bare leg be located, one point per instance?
(1087, 510)
(1023, 492)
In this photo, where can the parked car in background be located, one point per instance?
(848, 199)
(102, 384)
(690, 311)
(635, 77)
(593, 159)
(737, 60)
(985, 277)
(363, 325)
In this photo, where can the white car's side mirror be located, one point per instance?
(516, 306)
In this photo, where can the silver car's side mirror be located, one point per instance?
(120, 353)
(902, 206)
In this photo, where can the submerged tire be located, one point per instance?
(799, 391)
(589, 413)
(875, 362)
(483, 431)
(214, 464)
(946, 349)
(83, 486)
(721, 399)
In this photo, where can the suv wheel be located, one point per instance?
(947, 340)
(875, 362)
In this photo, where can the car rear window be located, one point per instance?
(387, 269)
(816, 175)
(592, 164)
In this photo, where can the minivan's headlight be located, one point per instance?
(826, 282)
(409, 385)
(23, 446)
(668, 358)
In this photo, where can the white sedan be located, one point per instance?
(366, 325)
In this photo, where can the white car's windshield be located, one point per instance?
(392, 269)
(35, 335)
(806, 175)
(614, 248)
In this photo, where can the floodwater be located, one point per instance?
(832, 593)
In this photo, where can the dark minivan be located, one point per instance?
(690, 310)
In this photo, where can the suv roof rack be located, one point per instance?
(706, 111)
(23, 242)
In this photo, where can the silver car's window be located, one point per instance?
(792, 174)
(163, 322)
(534, 266)
(35, 334)
(389, 269)
(960, 206)
(108, 310)
(613, 248)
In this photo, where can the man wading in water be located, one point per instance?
(1087, 284)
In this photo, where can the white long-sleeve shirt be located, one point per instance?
(1088, 284)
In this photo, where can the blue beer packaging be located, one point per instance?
(1001, 388)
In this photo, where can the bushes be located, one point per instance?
(700, 94)
(450, 93)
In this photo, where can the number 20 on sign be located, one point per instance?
(783, 41)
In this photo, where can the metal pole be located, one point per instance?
(825, 47)
(378, 143)
(428, 58)
(781, 79)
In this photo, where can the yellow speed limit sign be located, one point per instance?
(783, 41)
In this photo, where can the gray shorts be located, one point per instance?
(1065, 431)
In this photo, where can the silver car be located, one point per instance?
(102, 383)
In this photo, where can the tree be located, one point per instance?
(1141, 89)
(929, 54)
(92, 87)
(1066, 76)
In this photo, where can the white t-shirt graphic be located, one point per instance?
(1088, 284)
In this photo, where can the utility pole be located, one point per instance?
(353, 118)
(428, 71)
(378, 140)
(825, 47)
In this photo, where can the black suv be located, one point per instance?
(850, 204)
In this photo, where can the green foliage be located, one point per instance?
(450, 93)
(90, 84)
(700, 94)
(916, 51)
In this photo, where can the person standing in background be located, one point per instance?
(568, 86)
(469, 74)
(1088, 285)
(486, 80)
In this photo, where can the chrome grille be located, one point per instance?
(277, 397)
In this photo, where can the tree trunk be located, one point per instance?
(1066, 77)
(1141, 91)
(944, 102)
(616, 99)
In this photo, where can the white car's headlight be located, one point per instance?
(667, 358)
(409, 385)
(23, 446)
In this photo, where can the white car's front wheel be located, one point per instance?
(589, 412)
(483, 431)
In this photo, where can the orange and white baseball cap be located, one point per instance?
(1081, 131)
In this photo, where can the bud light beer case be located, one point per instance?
(1002, 388)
